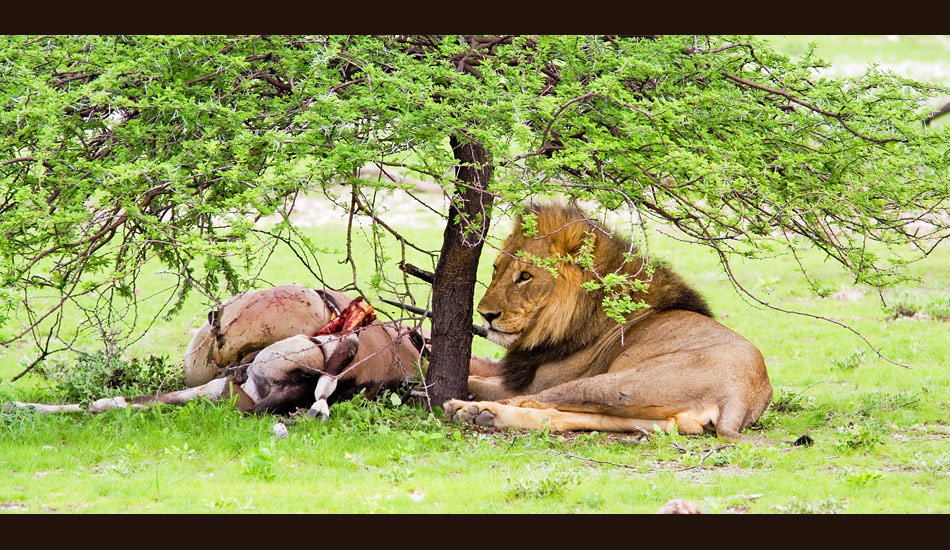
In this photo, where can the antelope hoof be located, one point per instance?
(320, 408)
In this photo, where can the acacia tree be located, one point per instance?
(116, 151)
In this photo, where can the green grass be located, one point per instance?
(916, 56)
(882, 441)
(881, 434)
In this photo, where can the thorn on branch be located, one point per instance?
(205, 77)
(345, 84)
(267, 56)
(276, 82)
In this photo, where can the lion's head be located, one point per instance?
(528, 307)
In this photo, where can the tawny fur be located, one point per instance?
(670, 366)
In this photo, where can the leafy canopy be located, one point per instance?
(118, 150)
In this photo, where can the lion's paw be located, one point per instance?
(469, 412)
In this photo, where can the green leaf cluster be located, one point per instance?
(116, 151)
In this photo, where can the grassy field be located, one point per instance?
(921, 57)
(881, 434)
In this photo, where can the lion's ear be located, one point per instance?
(569, 240)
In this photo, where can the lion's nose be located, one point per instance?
(489, 317)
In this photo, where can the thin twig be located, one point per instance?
(699, 464)
(206, 77)
(569, 455)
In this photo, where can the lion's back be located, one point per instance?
(693, 352)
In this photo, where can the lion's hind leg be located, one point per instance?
(499, 415)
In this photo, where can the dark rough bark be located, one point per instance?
(453, 291)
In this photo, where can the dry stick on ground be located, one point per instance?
(703, 459)
(630, 466)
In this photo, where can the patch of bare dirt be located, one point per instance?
(848, 294)
(418, 204)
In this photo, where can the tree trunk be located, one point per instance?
(453, 291)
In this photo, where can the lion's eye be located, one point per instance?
(524, 277)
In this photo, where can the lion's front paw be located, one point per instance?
(469, 412)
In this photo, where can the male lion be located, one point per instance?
(670, 365)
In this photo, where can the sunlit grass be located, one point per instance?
(881, 439)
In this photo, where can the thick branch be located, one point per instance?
(417, 272)
(20, 159)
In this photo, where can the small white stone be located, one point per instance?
(280, 431)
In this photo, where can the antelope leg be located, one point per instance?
(325, 387)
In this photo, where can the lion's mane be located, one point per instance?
(573, 318)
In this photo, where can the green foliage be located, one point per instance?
(229, 505)
(875, 403)
(616, 289)
(825, 506)
(120, 150)
(121, 461)
(548, 263)
(789, 402)
(262, 462)
(96, 375)
(180, 453)
(741, 456)
(860, 436)
(865, 477)
(932, 464)
(850, 362)
(384, 415)
(550, 483)
(529, 225)
(909, 304)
